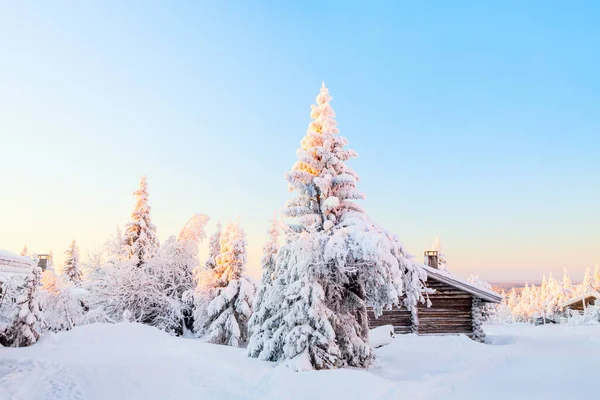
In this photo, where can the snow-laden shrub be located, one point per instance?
(155, 292)
(22, 328)
(590, 316)
(62, 305)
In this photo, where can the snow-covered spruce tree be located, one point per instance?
(72, 267)
(227, 315)
(139, 240)
(24, 328)
(335, 262)
(267, 263)
(24, 252)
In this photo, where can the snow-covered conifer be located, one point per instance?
(24, 252)
(228, 313)
(335, 262)
(72, 267)
(139, 240)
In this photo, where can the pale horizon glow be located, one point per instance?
(475, 123)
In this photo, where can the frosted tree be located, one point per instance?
(437, 246)
(214, 248)
(72, 266)
(24, 252)
(267, 263)
(227, 315)
(586, 285)
(139, 240)
(153, 293)
(566, 286)
(23, 330)
(50, 262)
(596, 281)
(50, 282)
(335, 262)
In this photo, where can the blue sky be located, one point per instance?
(478, 122)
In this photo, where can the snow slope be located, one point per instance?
(131, 361)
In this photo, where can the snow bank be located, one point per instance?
(381, 336)
(132, 361)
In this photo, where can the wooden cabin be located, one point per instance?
(454, 307)
(580, 303)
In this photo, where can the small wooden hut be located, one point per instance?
(580, 303)
(454, 307)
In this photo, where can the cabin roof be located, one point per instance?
(588, 295)
(13, 263)
(484, 294)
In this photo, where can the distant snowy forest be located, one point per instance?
(325, 263)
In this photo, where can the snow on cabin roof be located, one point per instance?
(484, 294)
(580, 298)
(11, 262)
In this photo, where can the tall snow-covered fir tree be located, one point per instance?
(24, 252)
(335, 263)
(228, 313)
(267, 263)
(139, 240)
(23, 330)
(72, 266)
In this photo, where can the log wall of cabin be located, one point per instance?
(450, 311)
(400, 318)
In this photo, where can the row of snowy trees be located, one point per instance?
(544, 300)
(165, 285)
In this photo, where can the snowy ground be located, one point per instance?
(129, 361)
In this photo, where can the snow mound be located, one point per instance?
(381, 335)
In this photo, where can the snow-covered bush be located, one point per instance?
(61, 303)
(153, 292)
(334, 264)
(23, 329)
(590, 316)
